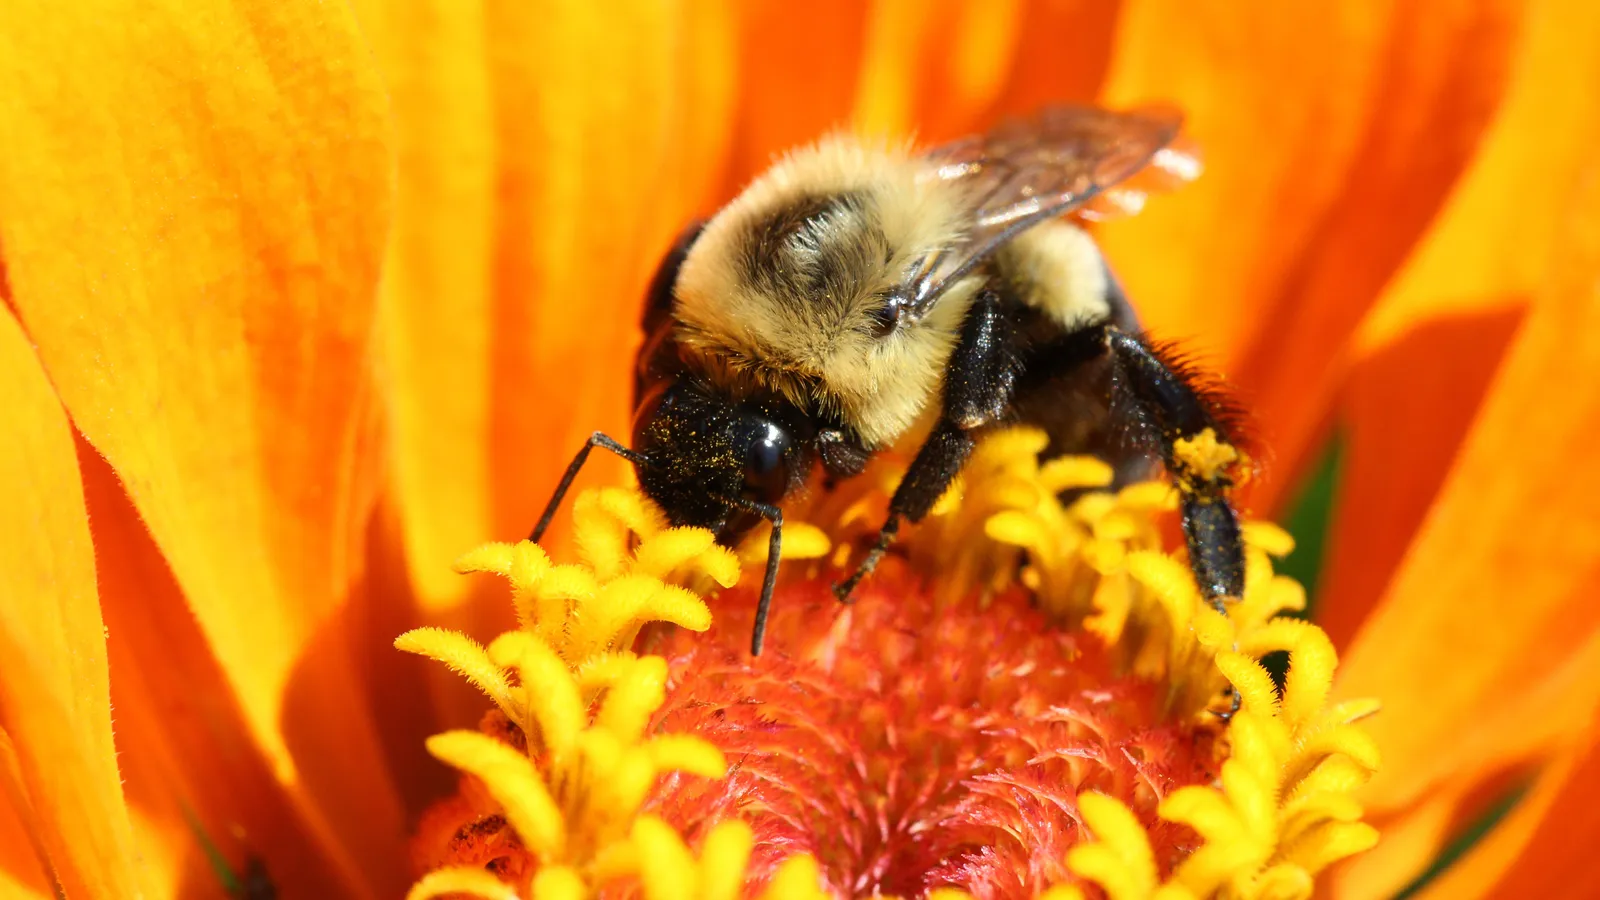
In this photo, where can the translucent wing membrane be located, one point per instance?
(1026, 171)
(1169, 169)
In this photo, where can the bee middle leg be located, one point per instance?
(977, 391)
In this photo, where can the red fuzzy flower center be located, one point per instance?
(909, 747)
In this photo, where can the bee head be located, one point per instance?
(700, 449)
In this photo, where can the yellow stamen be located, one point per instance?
(458, 880)
(800, 541)
(635, 688)
(1099, 562)
(1282, 808)
(513, 782)
(559, 883)
(797, 879)
(525, 565)
(668, 871)
(1120, 860)
(569, 682)
(467, 658)
(555, 712)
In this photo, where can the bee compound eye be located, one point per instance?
(767, 450)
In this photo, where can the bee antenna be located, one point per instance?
(774, 553)
(598, 439)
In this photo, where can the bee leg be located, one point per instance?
(982, 373)
(1200, 464)
(773, 515)
(977, 390)
(1199, 459)
(598, 439)
(842, 457)
(936, 465)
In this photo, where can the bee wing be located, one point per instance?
(1026, 171)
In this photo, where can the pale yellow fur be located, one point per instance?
(749, 339)
(1056, 268)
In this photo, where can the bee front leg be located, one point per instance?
(936, 465)
(977, 390)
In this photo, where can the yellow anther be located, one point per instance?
(1281, 810)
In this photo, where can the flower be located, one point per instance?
(901, 746)
(294, 295)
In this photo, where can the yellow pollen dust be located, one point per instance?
(570, 682)
(1204, 456)
(1284, 807)
(1282, 810)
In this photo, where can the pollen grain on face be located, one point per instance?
(1022, 703)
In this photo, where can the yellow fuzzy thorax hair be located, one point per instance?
(819, 351)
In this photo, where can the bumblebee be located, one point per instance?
(857, 297)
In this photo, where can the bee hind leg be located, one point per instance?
(1200, 458)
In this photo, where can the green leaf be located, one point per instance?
(1310, 514)
(1467, 839)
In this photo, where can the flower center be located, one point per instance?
(908, 745)
(1017, 705)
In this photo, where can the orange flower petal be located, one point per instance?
(1407, 410)
(1331, 134)
(798, 77)
(1504, 734)
(436, 309)
(55, 703)
(185, 743)
(1481, 871)
(22, 874)
(1061, 56)
(194, 217)
(1544, 848)
(1428, 350)
(935, 71)
(536, 194)
(1497, 238)
(1490, 624)
(436, 330)
(931, 68)
(1448, 68)
(170, 862)
(583, 164)
(895, 34)
(1406, 846)
(1277, 100)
